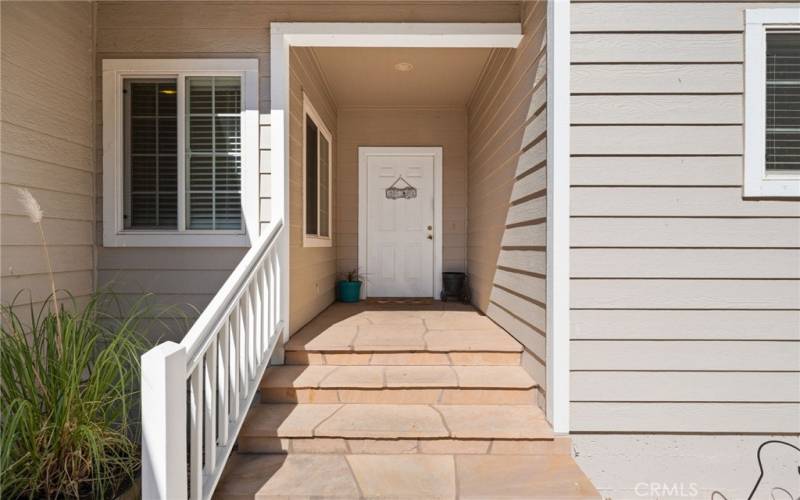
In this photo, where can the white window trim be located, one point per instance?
(310, 240)
(114, 71)
(757, 182)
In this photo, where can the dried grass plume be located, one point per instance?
(35, 213)
(30, 205)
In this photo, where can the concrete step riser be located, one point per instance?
(402, 396)
(557, 446)
(403, 358)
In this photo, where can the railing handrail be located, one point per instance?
(196, 394)
(221, 306)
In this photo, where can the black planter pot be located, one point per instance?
(454, 285)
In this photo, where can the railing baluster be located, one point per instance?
(278, 299)
(235, 363)
(196, 434)
(256, 304)
(248, 311)
(244, 369)
(265, 295)
(223, 384)
(271, 291)
(210, 423)
(220, 360)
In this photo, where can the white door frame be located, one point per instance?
(436, 153)
(500, 35)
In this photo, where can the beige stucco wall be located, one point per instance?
(312, 270)
(507, 198)
(46, 146)
(444, 127)
(685, 296)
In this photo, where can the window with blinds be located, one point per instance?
(151, 161)
(317, 160)
(782, 153)
(213, 153)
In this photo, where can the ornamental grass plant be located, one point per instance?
(69, 382)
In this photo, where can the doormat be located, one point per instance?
(401, 301)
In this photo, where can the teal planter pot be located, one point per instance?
(348, 291)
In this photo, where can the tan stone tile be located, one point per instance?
(383, 446)
(453, 446)
(488, 397)
(289, 476)
(485, 358)
(336, 338)
(299, 396)
(522, 476)
(420, 376)
(501, 422)
(471, 340)
(297, 376)
(531, 447)
(304, 358)
(389, 338)
(263, 445)
(383, 421)
(318, 445)
(506, 377)
(390, 396)
(285, 420)
(278, 395)
(345, 377)
(347, 359)
(426, 314)
(461, 320)
(393, 318)
(415, 476)
(343, 318)
(410, 358)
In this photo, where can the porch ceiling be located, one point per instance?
(367, 76)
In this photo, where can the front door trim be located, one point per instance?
(436, 153)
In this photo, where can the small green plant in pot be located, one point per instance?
(349, 289)
(69, 393)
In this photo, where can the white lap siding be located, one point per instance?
(46, 147)
(685, 297)
(507, 203)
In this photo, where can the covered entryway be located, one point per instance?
(400, 221)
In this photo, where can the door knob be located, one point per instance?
(430, 236)
(430, 228)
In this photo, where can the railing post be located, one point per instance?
(163, 394)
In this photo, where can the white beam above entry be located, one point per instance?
(500, 35)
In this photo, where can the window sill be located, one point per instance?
(785, 187)
(163, 239)
(317, 241)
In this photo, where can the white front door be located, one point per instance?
(401, 236)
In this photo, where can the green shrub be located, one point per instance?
(69, 400)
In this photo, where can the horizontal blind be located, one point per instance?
(324, 187)
(213, 156)
(783, 102)
(151, 166)
(312, 177)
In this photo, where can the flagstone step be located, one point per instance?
(388, 428)
(496, 385)
(403, 476)
(401, 358)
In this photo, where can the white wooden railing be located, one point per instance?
(211, 377)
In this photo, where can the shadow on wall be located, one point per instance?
(507, 168)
